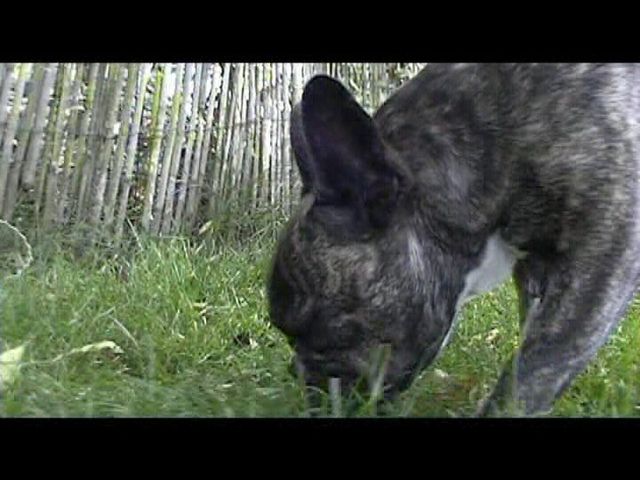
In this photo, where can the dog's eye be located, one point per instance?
(347, 330)
(333, 331)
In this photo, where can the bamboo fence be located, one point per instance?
(164, 147)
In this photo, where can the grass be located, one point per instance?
(190, 321)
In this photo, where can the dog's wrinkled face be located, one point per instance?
(349, 274)
(338, 306)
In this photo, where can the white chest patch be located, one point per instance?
(496, 266)
(498, 259)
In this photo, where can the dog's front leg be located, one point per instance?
(581, 304)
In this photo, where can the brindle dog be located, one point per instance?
(465, 175)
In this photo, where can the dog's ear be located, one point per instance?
(300, 148)
(341, 156)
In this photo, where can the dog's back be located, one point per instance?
(506, 144)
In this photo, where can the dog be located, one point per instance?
(466, 175)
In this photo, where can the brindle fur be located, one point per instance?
(397, 211)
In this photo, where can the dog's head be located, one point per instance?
(350, 274)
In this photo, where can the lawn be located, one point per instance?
(186, 332)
